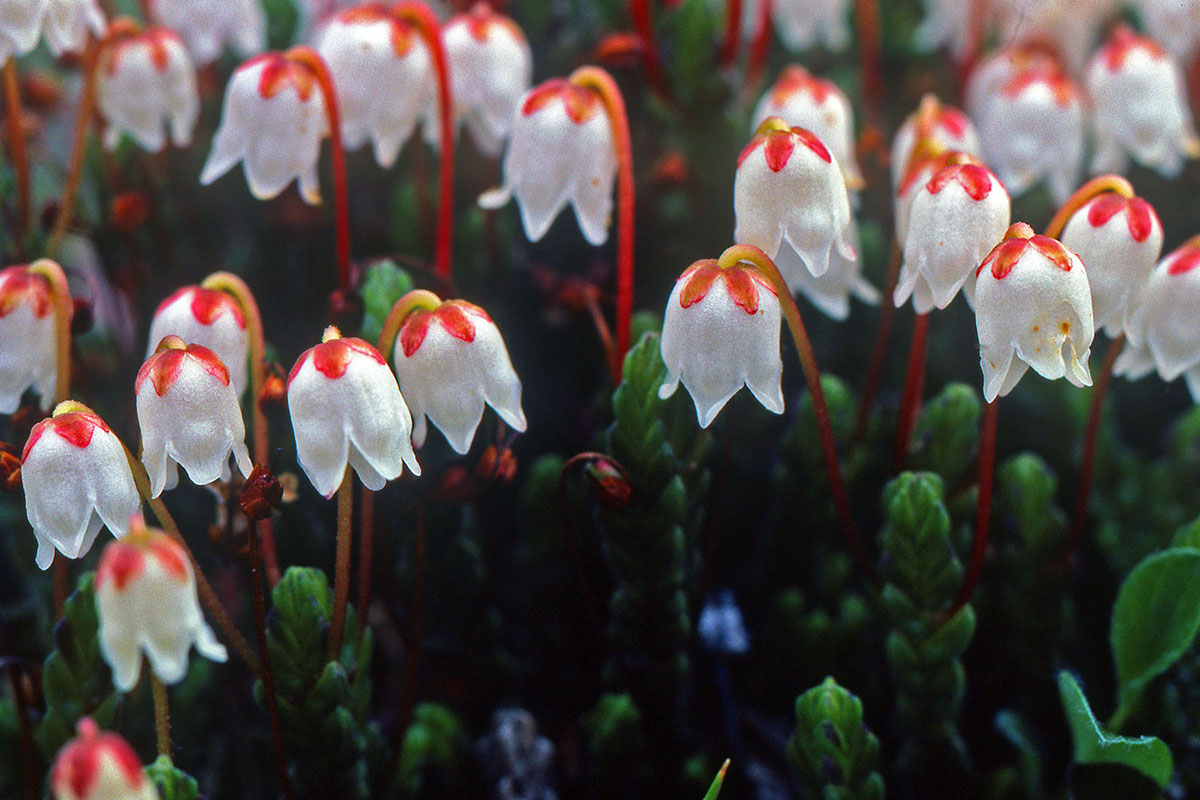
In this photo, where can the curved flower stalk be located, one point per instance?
(790, 200)
(147, 603)
(27, 337)
(146, 79)
(451, 360)
(99, 766)
(806, 23)
(189, 416)
(208, 317)
(803, 100)
(1139, 106)
(944, 128)
(208, 26)
(76, 480)
(68, 23)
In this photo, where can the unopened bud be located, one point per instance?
(619, 50)
(274, 390)
(261, 494)
(128, 211)
(10, 468)
(496, 465)
(610, 487)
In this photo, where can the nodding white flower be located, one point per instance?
(1069, 26)
(955, 219)
(450, 361)
(68, 23)
(560, 151)
(1175, 23)
(831, 292)
(1139, 106)
(1161, 328)
(189, 415)
(346, 407)
(1033, 308)
(944, 127)
(207, 317)
(144, 81)
(720, 332)
(273, 122)
(491, 67)
(99, 765)
(1119, 240)
(146, 602)
(206, 26)
(76, 478)
(20, 26)
(818, 105)
(806, 23)
(1033, 129)
(371, 51)
(27, 337)
(790, 200)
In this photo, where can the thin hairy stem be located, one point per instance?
(162, 715)
(83, 119)
(341, 573)
(366, 539)
(733, 33)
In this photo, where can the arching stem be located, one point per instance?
(341, 585)
(422, 299)
(914, 382)
(162, 716)
(421, 18)
(983, 510)
(1093, 188)
(236, 288)
(13, 118)
(602, 83)
(812, 376)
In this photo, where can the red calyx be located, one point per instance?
(975, 180)
(741, 283)
(580, 102)
(18, 285)
(164, 367)
(77, 427)
(453, 315)
(333, 357)
(1138, 214)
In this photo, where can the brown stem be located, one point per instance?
(887, 315)
(602, 330)
(414, 654)
(870, 62)
(366, 537)
(62, 580)
(27, 749)
(268, 678)
(914, 381)
(14, 118)
(83, 119)
(590, 606)
(983, 510)
(341, 585)
(162, 715)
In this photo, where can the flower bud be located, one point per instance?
(346, 408)
(262, 494)
(806, 23)
(206, 26)
(68, 23)
(27, 337)
(76, 478)
(1119, 240)
(274, 390)
(144, 80)
(1032, 301)
(99, 766)
(720, 331)
(210, 318)
(146, 602)
(946, 128)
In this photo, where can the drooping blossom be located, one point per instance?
(720, 332)
(1139, 106)
(347, 409)
(189, 416)
(370, 52)
(450, 360)
(1033, 308)
(944, 126)
(68, 23)
(206, 317)
(20, 26)
(146, 603)
(273, 121)
(806, 23)
(207, 26)
(1161, 328)
(27, 337)
(560, 151)
(76, 478)
(99, 765)
(1119, 240)
(147, 81)
(844, 279)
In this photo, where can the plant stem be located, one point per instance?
(417, 299)
(162, 715)
(602, 83)
(420, 17)
(643, 23)
(759, 47)
(83, 119)
(14, 117)
(1091, 433)
(914, 381)
(236, 288)
(341, 584)
(870, 64)
(983, 509)
(812, 376)
(1096, 186)
(22, 706)
(418, 601)
(62, 578)
(268, 678)
(887, 315)
(976, 33)
(733, 33)
(366, 537)
(590, 606)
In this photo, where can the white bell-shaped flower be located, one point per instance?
(76, 478)
(189, 416)
(27, 337)
(818, 105)
(1119, 240)
(146, 603)
(1033, 308)
(450, 360)
(68, 23)
(99, 765)
(1161, 328)
(491, 67)
(273, 122)
(146, 82)
(370, 52)
(956, 217)
(806, 23)
(720, 332)
(1174, 23)
(210, 318)
(346, 408)
(207, 26)
(790, 200)
(844, 279)
(560, 151)
(20, 26)
(1033, 129)
(1139, 106)
(944, 127)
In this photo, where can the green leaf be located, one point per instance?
(1155, 618)
(171, 782)
(715, 788)
(1095, 745)
(383, 284)
(1188, 535)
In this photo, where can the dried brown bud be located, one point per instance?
(261, 494)
(40, 90)
(128, 211)
(274, 390)
(10, 468)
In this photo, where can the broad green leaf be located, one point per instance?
(1155, 618)
(1095, 745)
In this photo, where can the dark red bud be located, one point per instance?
(10, 468)
(274, 390)
(609, 486)
(496, 465)
(40, 90)
(261, 494)
(672, 169)
(619, 50)
(128, 211)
